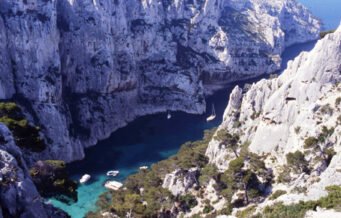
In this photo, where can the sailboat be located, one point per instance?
(169, 115)
(212, 116)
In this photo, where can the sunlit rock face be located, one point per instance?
(277, 116)
(82, 69)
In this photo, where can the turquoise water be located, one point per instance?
(145, 141)
(153, 138)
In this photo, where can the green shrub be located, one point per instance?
(333, 199)
(227, 210)
(337, 101)
(236, 165)
(26, 136)
(229, 140)
(207, 173)
(279, 210)
(276, 194)
(188, 200)
(310, 142)
(246, 213)
(208, 208)
(284, 175)
(8, 107)
(297, 162)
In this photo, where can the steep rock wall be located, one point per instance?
(82, 69)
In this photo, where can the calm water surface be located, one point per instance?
(153, 138)
(329, 11)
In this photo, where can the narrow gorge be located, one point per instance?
(73, 72)
(276, 154)
(82, 69)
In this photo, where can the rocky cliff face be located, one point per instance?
(18, 195)
(295, 115)
(82, 69)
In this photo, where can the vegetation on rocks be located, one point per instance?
(51, 180)
(277, 194)
(331, 201)
(229, 140)
(143, 195)
(243, 175)
(296, 161)
(26, 135)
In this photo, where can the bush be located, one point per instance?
(326, 109)
(188, 200)
(337, 101)
(284, 175)
(276, 194)
(236, 165)
(296, 161)
(8, 107)
(247, 213)
(207, 173)
(227, 139)
(331, 201)
(310, 142)
(279, 210)
(208, 208)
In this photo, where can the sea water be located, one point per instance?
(329, 11)
(153, 138)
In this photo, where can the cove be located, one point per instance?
(145, 141)
(153, 138)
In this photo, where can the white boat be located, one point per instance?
(212, 116)
(85, 178)
(144, 168)
(113, 185)
(113, 173)
(169, 115)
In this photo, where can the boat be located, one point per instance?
(113, 173)
(169, 115)
(212, 116)
(144, 168)
(113, 185)
(85, 178)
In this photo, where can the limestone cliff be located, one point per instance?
(293, 123)
(276, 154)
(18, 195)
(83, 68)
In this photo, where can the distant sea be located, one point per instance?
(329, 11)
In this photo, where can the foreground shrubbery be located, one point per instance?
(279, 210)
